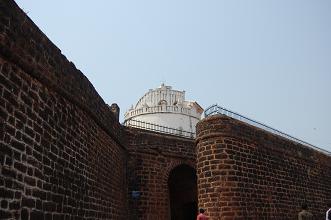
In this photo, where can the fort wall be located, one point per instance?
(152, 156)
(61, 154)
(248, 173)
(64, 155)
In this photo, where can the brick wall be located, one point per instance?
(152, 157)
(247, 173)
(61, 152)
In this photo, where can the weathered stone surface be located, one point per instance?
(248, 173)
(152, 157)
(61, 152)
(64, 155)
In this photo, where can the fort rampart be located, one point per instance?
(248, 173)
(61, 154)
(64, 155)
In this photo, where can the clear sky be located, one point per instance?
(269, 60)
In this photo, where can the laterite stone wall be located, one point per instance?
(64, 155)
(152, 156)
(61, 150)
(248, 173)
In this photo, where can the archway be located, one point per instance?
(182, 185)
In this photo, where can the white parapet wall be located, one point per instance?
(167, 107)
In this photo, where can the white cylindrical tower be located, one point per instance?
(166, 107)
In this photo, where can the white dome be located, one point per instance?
(166, 107)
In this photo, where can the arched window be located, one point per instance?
(162, 102)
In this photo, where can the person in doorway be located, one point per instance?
(201, 215)
(328, 213)
(305, 214)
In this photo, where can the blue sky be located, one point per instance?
(267, 60)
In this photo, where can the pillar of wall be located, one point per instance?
(248, 173)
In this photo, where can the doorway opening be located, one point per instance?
(182, 185)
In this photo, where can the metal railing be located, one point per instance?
(160, 108)
(216, 109)
(158, 128)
